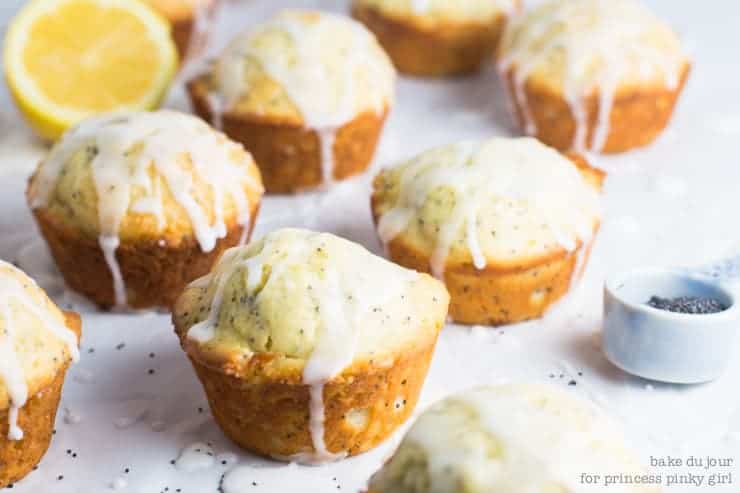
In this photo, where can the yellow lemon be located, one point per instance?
(68, 59)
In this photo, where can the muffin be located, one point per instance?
(309, 347)
(436, 37)
(512, 438)
(37, 344)
(506, 223)
(307, 94)
(590, 74)
(134, 206)
(190, 21)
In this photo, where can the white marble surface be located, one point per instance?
(673, 203)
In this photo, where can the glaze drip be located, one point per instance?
(202, 18)
(491, 182)
(588, 47)
(339, 290)
(132, 151)
(319, 69)
(14, 287)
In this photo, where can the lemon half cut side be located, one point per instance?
(66, 60)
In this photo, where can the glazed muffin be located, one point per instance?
(589, 74)
(190, 21)
(307, 94)
(135, 206)
(37, 344)
(506, 223)
(510, 439)
(436, 37)
(309, 347)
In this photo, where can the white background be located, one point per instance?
(676, 202)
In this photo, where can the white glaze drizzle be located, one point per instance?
(478, 173)
(600, 41)
(343, 301)
(202, 16)
(216, 104)
(327, 137)
(109, 245)
(326, 100)
(11, 370)
(159, 140)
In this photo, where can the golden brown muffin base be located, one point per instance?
(154, 274)
(638, 116)
(36, 419)
(499, 296)
(452, 48)
(289, 155)
(507, 293)
(270, 415)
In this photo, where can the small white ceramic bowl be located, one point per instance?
(663, 345)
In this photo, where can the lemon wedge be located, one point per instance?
(68, 59)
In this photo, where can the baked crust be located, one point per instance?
(506, 290)
(494, 296)
(154, 274)
(638, 116)
(269, 413)
(36, 419)
(288, 154)
(450, 48)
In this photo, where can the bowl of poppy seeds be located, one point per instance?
(670, 325)
(696, 305)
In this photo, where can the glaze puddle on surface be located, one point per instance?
(196, 457)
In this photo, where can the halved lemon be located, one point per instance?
(68, 59)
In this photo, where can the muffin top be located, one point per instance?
(153, 175)
(305, 68)
(479, 11)
(576, 46)
(490, 203)
(306, 301)
(509, 438)
(35, 343)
